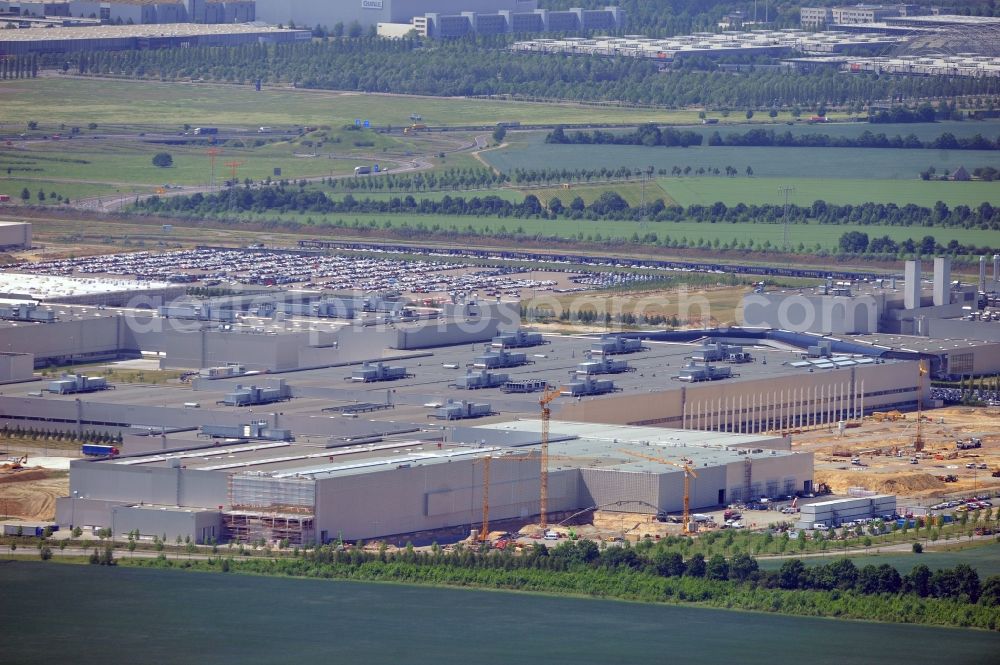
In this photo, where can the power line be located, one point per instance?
(786, 189)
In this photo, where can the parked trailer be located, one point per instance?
(98, 450)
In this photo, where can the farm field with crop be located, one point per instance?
(809, 235)
(760, 191)
(529, 151)
(79, 100)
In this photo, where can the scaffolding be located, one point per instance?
(272, 509)
(245, 526)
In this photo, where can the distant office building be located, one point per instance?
(372, 12)
(856, 14)
(446, 26)
(138, 12)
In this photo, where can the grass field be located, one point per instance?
(708, 190)
(70, 190)
(529, 151)
(985, 559)
(827, 236)
(81, 101)
(79, 167)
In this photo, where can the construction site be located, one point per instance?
(286, 416)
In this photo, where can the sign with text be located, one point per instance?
(371, 4)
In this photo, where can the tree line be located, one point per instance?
(19, 67)
(651, 135)
(477, 68)
(608, 206)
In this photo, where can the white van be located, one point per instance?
(551, 535)
(820, 526)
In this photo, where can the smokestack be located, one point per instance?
(982, 274)
(942, 281)
(911, 285)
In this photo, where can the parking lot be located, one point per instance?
(354, 271)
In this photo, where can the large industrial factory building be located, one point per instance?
(422, 482)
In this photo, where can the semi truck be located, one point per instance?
(365, 170)
(98, 450)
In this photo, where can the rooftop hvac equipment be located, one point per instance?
(499, 359)
(611, 345)
(462, 410)
(605, 365)
(74, 383)
(481, 379)
(27, 312)
(253, 395)
(588, 386)
(518, 339)
(718, 351)
(693, 373)
(371, 372)
(255, 430)
(525, 386)
(230, 370)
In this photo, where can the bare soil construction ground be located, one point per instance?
(31, 493)
(886, 449)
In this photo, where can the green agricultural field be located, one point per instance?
(630, 191)
(985, 559)
(339, 193)
(809, 235)
(68, 190)
(529, 151)
(925, 131)
(93, 166)
(708, 190)
(78, 101)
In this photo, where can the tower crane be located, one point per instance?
(918, 442)
(543, 502)
(688, 472)
(487, 463)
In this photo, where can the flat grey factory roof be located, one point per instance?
(609, 444)
(552, 362)
(917, 344)
(597, 445)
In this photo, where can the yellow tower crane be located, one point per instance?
(543, 502)
(918, 442)
(487, 462)
(688, 472)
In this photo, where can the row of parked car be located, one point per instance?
(961, 505)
